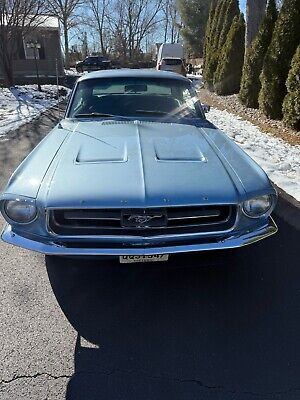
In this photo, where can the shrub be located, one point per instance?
(254, 58)
(276, 66)
(291, 103)
(229, 71)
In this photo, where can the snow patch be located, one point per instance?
(72, 72)
(21, 104)
(280, 160)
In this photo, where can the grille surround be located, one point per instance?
(108, 222)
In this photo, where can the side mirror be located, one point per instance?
(205, 107)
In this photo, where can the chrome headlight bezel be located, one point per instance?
(264, 204)
(26, 207)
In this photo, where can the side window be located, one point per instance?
(188, 100)
(186, 95)
(80, 98)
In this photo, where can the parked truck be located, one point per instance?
(170, 57)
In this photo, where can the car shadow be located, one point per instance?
(181, 329)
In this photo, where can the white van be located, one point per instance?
(170, 57)
(172, 65)
(172, 50)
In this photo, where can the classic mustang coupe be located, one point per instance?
(134, 170)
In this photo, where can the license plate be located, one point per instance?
(140, 259)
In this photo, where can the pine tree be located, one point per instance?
(232, 10)
(194, 15)
(255, 54)
(291, 104)
(229, 71)
(211, 58)
(207, 39)
(276, 66)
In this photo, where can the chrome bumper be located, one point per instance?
(51, 248)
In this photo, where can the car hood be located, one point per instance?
(139, 164)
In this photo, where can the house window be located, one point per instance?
(29, 51)
(34, 47)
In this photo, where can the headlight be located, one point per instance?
(20, 210)
(258, 206)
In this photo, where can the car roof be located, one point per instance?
(132, 73)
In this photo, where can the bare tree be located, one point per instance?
(131, 23)
(166, 14)
(99, 9)
(17, 19)
(176, 23)
(170, 20)
(254, 14)
(64, 10)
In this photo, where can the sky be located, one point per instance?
(243, 6)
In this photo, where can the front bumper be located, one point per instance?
(235, 240)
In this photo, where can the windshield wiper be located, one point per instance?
(95, 114)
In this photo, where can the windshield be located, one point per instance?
(135, 97)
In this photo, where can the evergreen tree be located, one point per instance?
(255, 54)
(229, 71)
(207, 39)
(220, 17)
(276, 66)
(232, 10)
(194, 15)
(211, 57)
(291, 104)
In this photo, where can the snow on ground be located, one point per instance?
(72, 72)
(21, 104)
(280, 160)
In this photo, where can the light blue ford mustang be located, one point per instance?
(135, 170)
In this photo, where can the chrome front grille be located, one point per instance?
(141, 222)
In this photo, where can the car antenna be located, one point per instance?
(57, 89)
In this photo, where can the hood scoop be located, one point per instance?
(93, 155)
(93, 150)
(178, 149)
